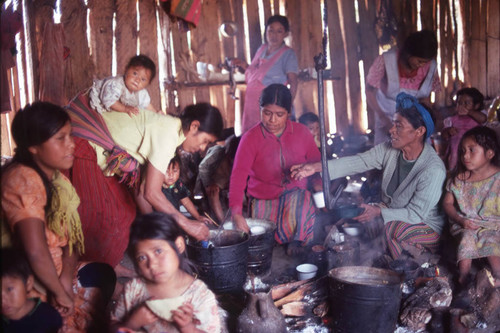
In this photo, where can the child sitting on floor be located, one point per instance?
(185, 303)
(20, 313)
(175, 191)
(125, 93)
(472, 202)
(469, 114)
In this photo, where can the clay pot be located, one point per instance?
(261, 315)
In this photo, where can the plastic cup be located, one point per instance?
(319, 199)
(306, 271)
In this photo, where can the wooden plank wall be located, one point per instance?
(351, 39)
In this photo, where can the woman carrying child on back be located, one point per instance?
(472, 202)
(40, 207)
(125, 93)
(156, 246)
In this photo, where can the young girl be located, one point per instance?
(472, 202)
(157, 246)
(125, 93)
(40, 207)
(469, 114)
(176, 192)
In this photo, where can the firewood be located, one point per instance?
(282, 290)
(295, 309)
(321, 310)
(416, 309)
(484, 282)
(469, 320)
(295, 296)
(485, 297)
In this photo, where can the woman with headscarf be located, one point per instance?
(412, 180)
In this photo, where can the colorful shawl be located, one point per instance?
(88, 124)
(63, 218)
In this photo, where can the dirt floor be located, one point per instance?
(369, 252)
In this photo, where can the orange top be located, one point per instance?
(23, 197)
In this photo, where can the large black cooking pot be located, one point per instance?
(260, 245)
(364, 299)
(223, 264)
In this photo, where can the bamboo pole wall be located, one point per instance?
(351, 40)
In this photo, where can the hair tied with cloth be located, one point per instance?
(406, 101)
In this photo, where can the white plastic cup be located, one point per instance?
(306, 271)
(319, 199)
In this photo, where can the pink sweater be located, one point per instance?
(265, 160)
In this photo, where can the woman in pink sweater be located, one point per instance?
(262, 167)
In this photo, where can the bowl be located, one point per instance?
(347, 211)
(409, 268)
(352, 229)
(306, 271)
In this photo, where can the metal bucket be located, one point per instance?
(260, 248)
(364, 299)
(223, 266)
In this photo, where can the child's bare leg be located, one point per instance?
(495, 267)
(464, 267)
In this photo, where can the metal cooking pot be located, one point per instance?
(223, 266)
(364, 299)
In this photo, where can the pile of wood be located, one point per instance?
(302, 298)
(485, 303)
(417, 308)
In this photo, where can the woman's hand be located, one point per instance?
(140, 317)
(369, 214)
(195, 229)
(183, 318)
(301, 171)
(64, 304)
(205, 220)
(241, 223)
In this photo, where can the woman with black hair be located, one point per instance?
(151, 139)
(274, 62)
(412, 180)
(262, 166)
(40, 207)
(410, 69)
